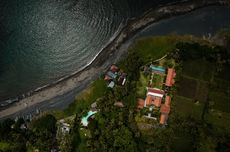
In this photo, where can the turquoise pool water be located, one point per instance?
(84, 120)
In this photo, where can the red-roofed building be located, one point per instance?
(107, 78)
(152, 100)
(114, 68)
(155, 92)
(140, 103)
(165, 109)
(167, 101)
(163, 119)
(153, 97)
(170, 77)
(157, 101)
(148, 100)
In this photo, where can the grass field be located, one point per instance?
(199, 69)
(221, 102)
(186, 107)
(219, 119)
(202, 91)
(152, 48)
(199, 81)
(187, 87)
(221, 85)
(193, 88)
(142, 84)
(158, 81)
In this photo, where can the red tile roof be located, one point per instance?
(167, 101)
(163, 118)
(157, 101)
(153, 90)
(170, 77)
(140, 103)
(149, 100)
(114, 68)
(107, 78)
(165, 109)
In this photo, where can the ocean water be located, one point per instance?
(202, 22)
(44, 40)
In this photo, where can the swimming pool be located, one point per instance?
(84, 120)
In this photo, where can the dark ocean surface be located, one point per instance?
(44, 40)
(202, 22)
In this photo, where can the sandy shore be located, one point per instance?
(110, 54)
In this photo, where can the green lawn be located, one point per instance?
(158, 81)
(152, 48)
(142, 84)
(84, 133)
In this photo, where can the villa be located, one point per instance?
(154, 96)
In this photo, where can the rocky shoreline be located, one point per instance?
(110, 54)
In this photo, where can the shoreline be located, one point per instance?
(104, 58)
